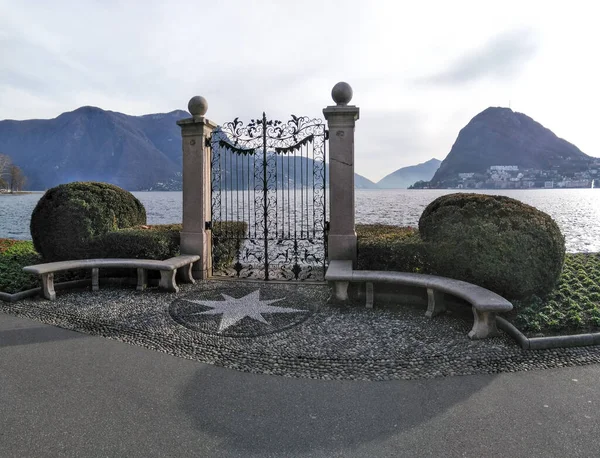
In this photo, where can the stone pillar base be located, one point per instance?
(198, 243)
(342, 247)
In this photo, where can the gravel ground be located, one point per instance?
(292, 331)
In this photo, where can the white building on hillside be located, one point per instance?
(505, 168)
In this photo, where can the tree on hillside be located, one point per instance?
(4, 165)
(16, 178)
(419, 185)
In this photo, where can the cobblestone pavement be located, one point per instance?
(291, 330)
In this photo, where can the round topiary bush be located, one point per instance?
(495, 242)
(70, 216)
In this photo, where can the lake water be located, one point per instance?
(577, 211)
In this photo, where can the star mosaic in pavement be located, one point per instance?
(234, 310)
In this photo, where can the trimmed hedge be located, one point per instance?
(495, 242)
(384, 247)
(227, 240)
(140, 242)
(14, 255)
(162, 241)
(151, 242)
(69, 217)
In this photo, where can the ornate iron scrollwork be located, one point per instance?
(269, 199)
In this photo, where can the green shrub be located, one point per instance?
(14, 255)
(227, 240)
(162, 241)
(572, 306)
(141, 242)
(496, 242)
(383, 247)
(68, 218)
(150, 242)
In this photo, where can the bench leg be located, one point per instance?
(95, 279)
(142, 279)
(186, 273)
(370, 295)
(48, 286)
(341, 290)
(167, 280)
(435, 303)
(484, 325)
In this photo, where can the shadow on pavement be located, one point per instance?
(278, 415)
(34, 335)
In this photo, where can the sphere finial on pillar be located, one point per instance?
(198, 106)
(341, 93)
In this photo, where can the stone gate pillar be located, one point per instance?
(195, 238)
(340, 121)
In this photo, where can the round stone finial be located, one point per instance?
(198, 106)
(341, 93)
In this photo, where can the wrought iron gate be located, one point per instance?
(269, 199)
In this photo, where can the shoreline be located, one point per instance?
(20, 193)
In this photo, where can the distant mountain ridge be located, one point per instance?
(91, 144)
(361, 182)
(144, 152)
(406, 176)
(292, 171)
(500, 136)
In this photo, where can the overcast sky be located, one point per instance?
(420, 70)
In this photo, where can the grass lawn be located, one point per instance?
(573, 306)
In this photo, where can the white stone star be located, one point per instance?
(235, 310)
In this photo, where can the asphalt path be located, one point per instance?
(64, 393)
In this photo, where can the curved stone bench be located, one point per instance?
(485, 303)
(168, 270)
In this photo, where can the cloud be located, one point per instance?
(386, 141)
(500, 58)
(246, 58)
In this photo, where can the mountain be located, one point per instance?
(500, 136)
(134, 152)
(361, 182)
(404, 177)
(291, 172)
(89, 143)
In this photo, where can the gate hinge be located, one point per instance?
(208, 226)
(327, 226)
(207, 141)
(326, 134)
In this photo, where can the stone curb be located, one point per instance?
(6, 297)
(513, 332)
(544, 343)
